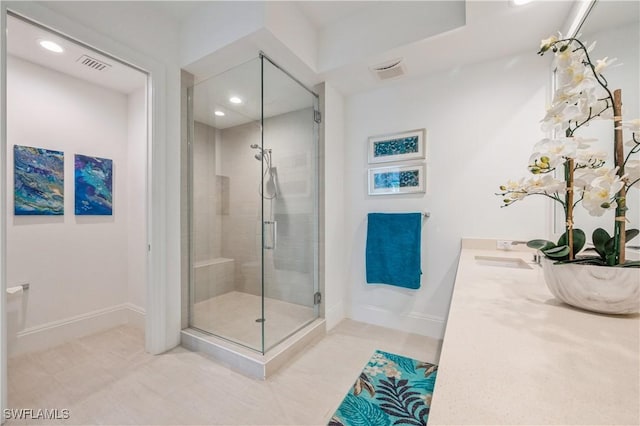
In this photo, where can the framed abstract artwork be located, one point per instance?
(397, 147)
(38, 181)
(401, 179)
(93, 186)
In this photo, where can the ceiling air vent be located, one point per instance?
(93, 63)
(388, 70)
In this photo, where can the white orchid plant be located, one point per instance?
(582, 96)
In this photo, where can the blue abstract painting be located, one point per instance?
(401, 179)
(396, 146)
(38, 181)
(94, 185)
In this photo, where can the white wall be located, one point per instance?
(335, 258)
(137, 212)
(78, 267)
(481, 122)
(116, 28)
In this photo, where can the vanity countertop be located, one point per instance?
(513, 354)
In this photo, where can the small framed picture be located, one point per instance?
(402, 179)
(397, 147)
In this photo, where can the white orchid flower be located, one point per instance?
(581, 81)
(602, 64)
(584, 143)
(631, 143)
(609, 179)
(587, 156)
(558, 117)
(547, 42)
(546, 184)
(603, 108)
(564, 97)
(563, 147)
(632, 170)
(584, 177)
(599, 197)
(633, 125)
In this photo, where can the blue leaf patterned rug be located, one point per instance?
(391, 390)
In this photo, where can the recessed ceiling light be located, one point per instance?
(235, 100)
(51, 46)
(520, 2)
(219, 113)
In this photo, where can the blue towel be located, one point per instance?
(393, 249)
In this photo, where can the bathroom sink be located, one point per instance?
(505, 262)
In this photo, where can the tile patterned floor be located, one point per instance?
(233, 316)
(107, 378)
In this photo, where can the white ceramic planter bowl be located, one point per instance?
(595, 288)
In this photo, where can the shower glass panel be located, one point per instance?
(289, 204)
(253, 199)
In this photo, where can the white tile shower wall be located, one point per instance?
(213, 278)
(481, 122)
(241, 229)
(207, 222)
(288, 272)
(75, 264)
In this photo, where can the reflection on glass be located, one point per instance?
(253, 205)
(615, 27)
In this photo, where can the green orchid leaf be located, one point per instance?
(610, 247)
(559, 252)
(633, 264)
(631, 234)
(540, 244)
(585, 261)
(579, 240)
(600, 238)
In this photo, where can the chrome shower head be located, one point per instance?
(254, 145)
(258, 156)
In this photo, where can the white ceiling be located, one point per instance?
(324, 13)
(281, 95)
(22, 41)
(493, 29)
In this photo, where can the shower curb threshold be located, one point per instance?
(248, 362)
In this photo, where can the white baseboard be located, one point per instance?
(135, 315)
(334, 314)
(412, 322)
(54, 333)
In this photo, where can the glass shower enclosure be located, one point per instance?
(253, 138)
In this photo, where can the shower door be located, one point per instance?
(226, 219)
(289, 204)
(253, 200)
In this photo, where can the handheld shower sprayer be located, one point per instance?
(264, 155)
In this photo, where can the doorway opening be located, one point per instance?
(76, 228)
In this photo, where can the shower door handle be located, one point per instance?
(273, 226)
